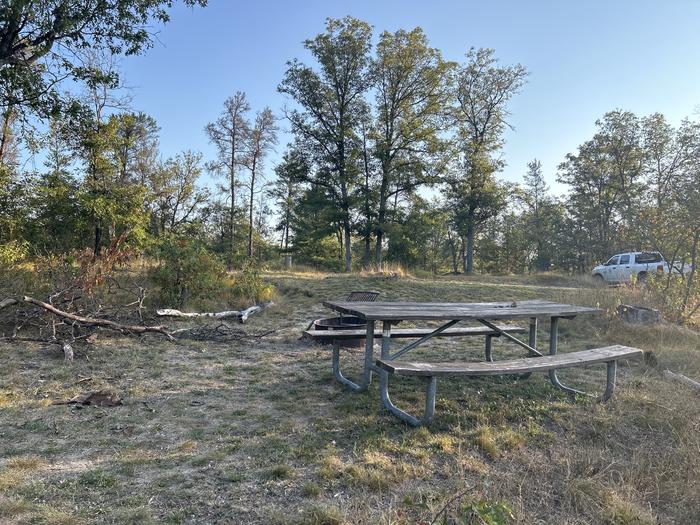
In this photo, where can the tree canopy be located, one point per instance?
(40, 41)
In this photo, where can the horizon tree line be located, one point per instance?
(373, 130)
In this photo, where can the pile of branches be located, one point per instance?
(68, 317)
(220, 332)
(67, 323)
(99, 296)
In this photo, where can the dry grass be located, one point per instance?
(258, 432)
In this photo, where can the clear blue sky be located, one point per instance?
(584, 58)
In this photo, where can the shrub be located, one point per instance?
(677, 296)
(95, 270)
(187, 270)
(13, 252)
(249, 287)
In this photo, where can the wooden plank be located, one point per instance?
(512, 366)
(409, 333)
(396, 311)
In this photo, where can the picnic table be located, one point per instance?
(449, 314)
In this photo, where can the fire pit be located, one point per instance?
(347, 322)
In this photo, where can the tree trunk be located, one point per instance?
(368, 207)
(250, 212)
(453, 251)
(469, 255)
(97, 248)
(368, 248)
(378, 248)
(381, 217)
(348, 245)
(232, 215)
(341, 250)
(6, 134)
(346, 211)
(285, 232)
(541, 261)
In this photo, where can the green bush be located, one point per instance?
(677, 296)
(13, 252)
(249, 287)
(186, 271)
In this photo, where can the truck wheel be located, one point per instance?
(598, 279)
(642, 277)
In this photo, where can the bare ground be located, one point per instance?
(259, 432)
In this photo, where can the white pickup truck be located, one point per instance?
(623, 267)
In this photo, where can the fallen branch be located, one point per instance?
(7, 302)
(681, 379)
(105, 323)
(101, 398)
(220, 332)
(169, 312)
(242, 315)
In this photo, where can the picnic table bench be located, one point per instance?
(336, 336)
(548, 363)
(390, 313)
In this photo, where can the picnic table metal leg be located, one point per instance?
(553, 342)
(488, 348)
(430, 389)
(532, 343)
(610, 388)
(368, 362)
(369, 355)
(532, 334)
(386, 339)
(339, 375)
(611, 371)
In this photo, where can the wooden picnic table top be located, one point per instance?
(407, 311)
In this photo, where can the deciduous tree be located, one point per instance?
(330, 108)
(175, 195)
(40, 40)
(230, 134)
(483, 89)
(262, 138)
(286, 191)
(411, 80)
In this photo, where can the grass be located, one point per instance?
(259, 432)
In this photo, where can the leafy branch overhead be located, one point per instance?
(39, 39)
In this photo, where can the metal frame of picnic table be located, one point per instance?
(532, 310)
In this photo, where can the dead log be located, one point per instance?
(7, 302)
(682, 379)
(241, 315)
(169, 312)
(105, 323)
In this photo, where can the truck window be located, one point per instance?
(625, 259)
(612, 261)
(647, 257)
